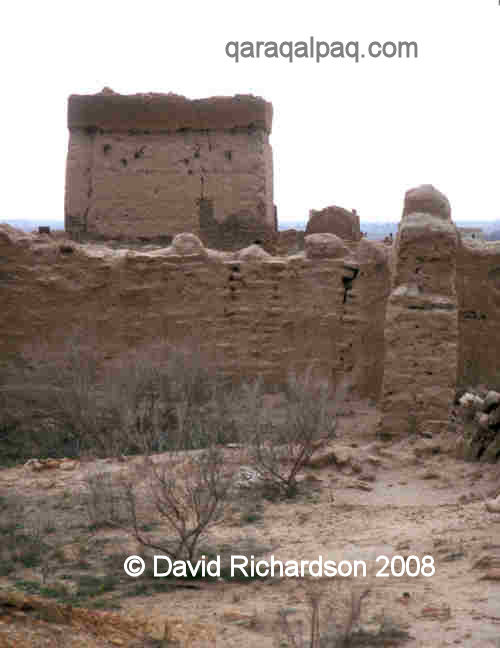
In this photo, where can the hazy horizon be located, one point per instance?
(354, 134)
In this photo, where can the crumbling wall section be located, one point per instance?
(253, 313)
(479, 313)
(335, 220)
(421, 327)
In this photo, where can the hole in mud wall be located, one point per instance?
(140, 153)
(106, 149)
(124, 162)
(228, 155)
(348, 281)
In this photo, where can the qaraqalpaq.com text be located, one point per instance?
(318, 50)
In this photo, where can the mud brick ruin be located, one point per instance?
(404, 324)
(151, 166)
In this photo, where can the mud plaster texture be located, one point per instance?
(402, 325)
(150, 166)
(335, 220)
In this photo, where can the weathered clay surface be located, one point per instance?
(334, 220)
(252, 312)
(478, 276)
(152, 166)
(167, 112)
(325, 246)
(426, 199)
(256, 313)
(421, 330)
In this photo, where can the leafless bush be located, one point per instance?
(329, 623)
(24, 539)
(72, 401)
(279, 452)
(104, 500)
(188, 491)
(333, 620)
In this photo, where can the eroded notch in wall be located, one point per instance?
(348, 281)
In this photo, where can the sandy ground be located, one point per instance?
(412, 498)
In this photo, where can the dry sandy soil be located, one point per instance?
(368, 499)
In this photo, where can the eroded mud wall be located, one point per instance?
(478, 273)
(421, 327)
(252, 312)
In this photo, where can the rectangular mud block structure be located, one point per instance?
(150, 166)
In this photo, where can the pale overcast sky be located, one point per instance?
(352, 134)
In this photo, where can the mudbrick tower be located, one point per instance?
(150, 166)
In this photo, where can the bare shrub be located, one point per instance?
(57, 390)
(68, 401)
(333, 620)
(188, 491)
(24, 538)
(279, 452)
(104, 500)
(330, 620)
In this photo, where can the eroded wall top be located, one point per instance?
(335, 220)
(108, 110)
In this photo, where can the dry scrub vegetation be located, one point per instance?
(194, 448)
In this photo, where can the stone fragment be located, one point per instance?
(494, 419)
(471, 401)
(339, 455)
(493, 506)
(482, 420)
(491, 401)
(359, 485)
(492, 452)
